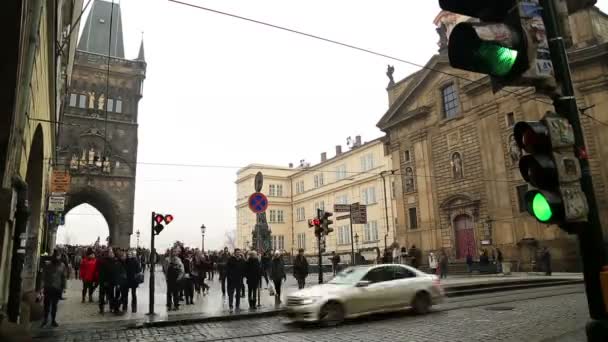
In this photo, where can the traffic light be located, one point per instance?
(159, 220)
(325, 222)
(508, 44)
(551, 166)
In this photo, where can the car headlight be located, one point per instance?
(310, 300)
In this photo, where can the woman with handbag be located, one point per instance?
(135, 276)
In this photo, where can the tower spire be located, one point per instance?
(141, 56)
(102, 28)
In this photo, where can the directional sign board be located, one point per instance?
(56, 203)
(359, 216)
(341, 208)
(343, 217)
(258, 203)
(60, 181)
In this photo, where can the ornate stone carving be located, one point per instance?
(409, 179)
(390, 70)
(514, 150)
(101, 102)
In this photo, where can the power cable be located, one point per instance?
(105, 130)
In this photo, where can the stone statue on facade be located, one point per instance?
(442, 31)
(409, 180)
(390, 70)
(106, 165)
(101, 102)
(74, 161)
(83, 159)
(457, 166)
(92, 156)
(261, 232)
(514, 150)
(91, 99)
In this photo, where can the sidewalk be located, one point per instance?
(73, 314)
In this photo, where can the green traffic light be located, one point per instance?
(541, 208)
(500, 60)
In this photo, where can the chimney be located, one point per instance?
(291, 165)
(323, 156)
(338, 150)
(358, 140)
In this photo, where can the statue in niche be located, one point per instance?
(106, 165)
(98, 161)
(514, 150)
(83, 159)
(74, 161)
(91, 99)
(442, 31)
(101, 102)
(92, 156)
(456, 163)
(389, 72)
(409, 180)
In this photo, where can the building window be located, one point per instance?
(110, 105)
(510, 117)
(300, 214)
(319, 205)
(406, 156)
(344, 235)
(521, 197)
(299, 187)
(368, 195)
(118, 108)
(340, 172)
(302, 241)
(275, 190)
(272, 216)
(413, 218)
(451, 106)
(82, 102)
(281, 242)
(370, 231)
(280, 216)
(274, 242)
(409, 179)
(393, 190)
(73, 99)
(367, 162)
(319, 181)
(342, 199)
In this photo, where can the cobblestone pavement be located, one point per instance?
(549, 314)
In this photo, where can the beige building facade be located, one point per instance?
(362, 174)
(452, 141)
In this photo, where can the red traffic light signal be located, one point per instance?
(168, 218)
(532, 137)
(159, 218)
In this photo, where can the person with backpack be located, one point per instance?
(174, 273)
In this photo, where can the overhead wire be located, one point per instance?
(105, 131)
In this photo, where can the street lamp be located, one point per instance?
(203, 234)
(137, 233)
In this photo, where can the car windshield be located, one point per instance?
(349, 276)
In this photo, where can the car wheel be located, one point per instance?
(331, 314)
(422, 303)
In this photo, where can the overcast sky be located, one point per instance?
(226, 93)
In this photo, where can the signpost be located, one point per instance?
(357, 215)
(258, 203)
(341, 208)
(56, 203)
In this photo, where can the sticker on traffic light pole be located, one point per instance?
(258, 203)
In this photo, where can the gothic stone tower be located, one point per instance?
(98, 139)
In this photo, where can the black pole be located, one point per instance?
(320, 258)
(385, 210)
(352, 242)
(590, 237)
(152, 266)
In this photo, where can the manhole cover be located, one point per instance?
(499, 308)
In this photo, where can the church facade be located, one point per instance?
(452, 141)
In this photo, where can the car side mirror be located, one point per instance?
(363, 283)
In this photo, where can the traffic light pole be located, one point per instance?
(320, 259)
(152, 266)
(590, 237)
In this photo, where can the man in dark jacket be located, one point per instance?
(335, 261)
(221, 268)
(277, 274)
(253, 273)
(134, 277)
(234, 273)
(106, 287)
(266, 258)
(300, 268)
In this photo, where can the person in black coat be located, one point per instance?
(106, 285)
(235, 268)
(300, 268)
(277, 274)
(253, 273)
(120, 282)
(188, 282)
(266, 259)
(221, 268)
(134, 276)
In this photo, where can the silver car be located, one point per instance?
(364, 290)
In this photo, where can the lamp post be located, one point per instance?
(357, 243)
(137, 233)
(203, 235)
